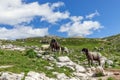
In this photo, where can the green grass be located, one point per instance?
(22, 63)
(111, 78)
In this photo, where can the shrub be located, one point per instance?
(1, 53)
(31, 53)
(111, 78)
(99, 74)
(100, 79)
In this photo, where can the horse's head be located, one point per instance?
(53, 40)
(85, 50)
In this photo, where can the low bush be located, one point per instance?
(1, 53)
(99, 74)
(31, 53)
(111, 78)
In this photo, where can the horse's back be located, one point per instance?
(96, 55)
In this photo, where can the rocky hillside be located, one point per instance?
(26, 59)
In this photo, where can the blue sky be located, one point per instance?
(65, 18)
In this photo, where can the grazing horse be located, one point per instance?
(91, 56)
(54, 45)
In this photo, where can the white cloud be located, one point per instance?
(80, 28)
(76, 18)
(58, 4)
(22, 32)
(13, 12)
(90, 16)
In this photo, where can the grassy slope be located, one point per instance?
(24, 64)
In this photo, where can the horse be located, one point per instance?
(54, 45)
(92, 56)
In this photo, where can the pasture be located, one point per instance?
(22, 63)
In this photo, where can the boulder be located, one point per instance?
(48, 57)
(64, 59)
(81, 76)
(49, 67)
(103, 60)
(11, 76)
(109, 62)
(99, 71)
(93, 69)
(39, 55)
(74, 78)
(66, 64)
(36, 76)
(62, 76)
(79, 68)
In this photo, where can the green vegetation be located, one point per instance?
(111, 78)
(27, 61)
(31, 53)
(100, 79)
(22, 63)
(99, 74)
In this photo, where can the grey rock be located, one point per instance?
(11, 76)
(64, 59)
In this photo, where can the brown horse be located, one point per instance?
(54, 45)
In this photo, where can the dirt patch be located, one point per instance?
(116, 73)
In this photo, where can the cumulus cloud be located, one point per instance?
(76, 18)
(14, 12)
(58, 4)
(90, 16)
(22, 32)
(80, 28)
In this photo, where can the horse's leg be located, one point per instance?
(59, 50)
(89, 63)
(99, 62)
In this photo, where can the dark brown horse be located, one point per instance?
(54, 45)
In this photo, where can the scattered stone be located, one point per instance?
(39, 55)
(48, 57)
(93, 69)
(11, 76)
(99, 71)
(80, 68)
(49, 68)
(62, 76)
(88, 70)
(64, 59)
(74, 78)
(12, 47)
(109, 62)
(55, 73)
(36, 76)
(81, 76)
